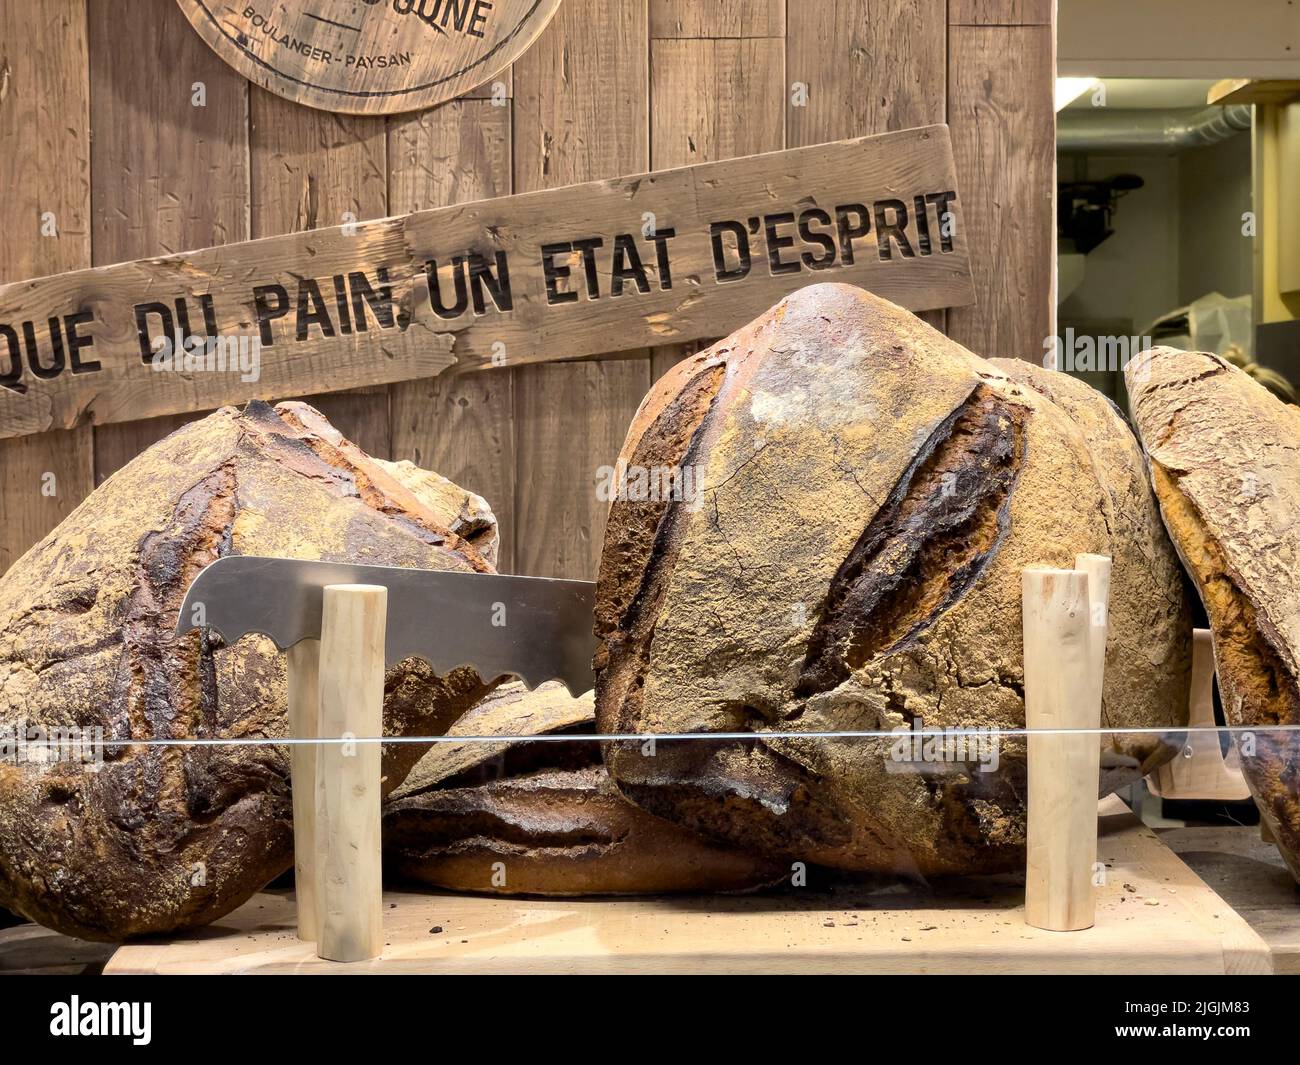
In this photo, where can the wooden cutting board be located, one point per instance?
(1154, 915)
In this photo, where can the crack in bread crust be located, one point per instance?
(1258, 689)
(927, 546)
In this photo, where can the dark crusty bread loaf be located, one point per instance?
(1224, 456)
(543, 818)
(871, 494)
(162, 838)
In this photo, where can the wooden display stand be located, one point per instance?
(1201, 771)
(1131, 904)
(336, 692)
(1154, 915)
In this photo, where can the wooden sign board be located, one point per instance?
(369, 57)
(660, 258)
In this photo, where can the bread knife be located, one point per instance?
(534, 628)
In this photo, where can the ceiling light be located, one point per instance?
(1070, 89)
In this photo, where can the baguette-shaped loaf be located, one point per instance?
(1224, 455)
(515, 817)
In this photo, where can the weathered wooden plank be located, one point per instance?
(953, 925)
(571, 419)
(169, 162)
(1004, 131)
(866, 67)
(313, 169)
(1001, 12)
(581, 113)
(45, 218)
(702, 214)
(857, 67)
(679, 19)
(462, 425)
(716, 99)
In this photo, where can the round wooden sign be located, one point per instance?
(369, 57)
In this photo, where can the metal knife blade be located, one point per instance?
(535, 628)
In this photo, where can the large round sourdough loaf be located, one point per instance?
(1224, 455)
(522, 817)
(159, 838)
(868, 495)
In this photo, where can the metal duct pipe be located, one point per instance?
(1096, 129)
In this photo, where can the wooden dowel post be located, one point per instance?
(1065, 646)
(304, 723)
(349, 898)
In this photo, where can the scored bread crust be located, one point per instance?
(1224, 458)
(872, 492)
(161, 838)
(515, 817)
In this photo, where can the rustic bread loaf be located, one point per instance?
(160, 838)
(543, 818)
(871, 494)
(1224, 456)
(1143, 566)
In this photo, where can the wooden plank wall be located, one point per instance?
(187, 154)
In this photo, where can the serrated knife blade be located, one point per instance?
(535, 628)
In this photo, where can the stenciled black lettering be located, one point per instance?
(311, 311)
(922, 216)
(721, 271)
(268, 311)
(437, 301)
(556, 272)
(587, 247)
(496, 285)
(822, 240)
(378, 299)
(627, 266)
(777, 243)
(72, 324)
(166, 327)
(661, 237)
(853, 221)
(56, 350)
(895, 230)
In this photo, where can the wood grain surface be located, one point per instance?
(582, 109)
(1154, 915)
(703, 250)
(176, 172)
(312, 169)
(1000, 110)
(45, 215)
(370, 58)
(169, 165)
(461, 425)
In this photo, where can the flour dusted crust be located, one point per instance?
(163, 838)
(1224, 456)
(543, 818)
(872, 492)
